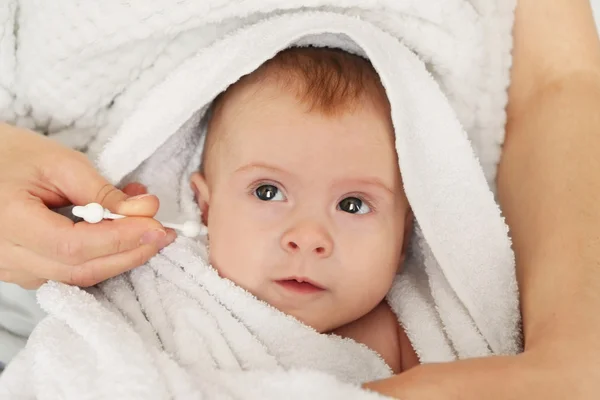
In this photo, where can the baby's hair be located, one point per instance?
(326, 80)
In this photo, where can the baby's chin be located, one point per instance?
(318, 320)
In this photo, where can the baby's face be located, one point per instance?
(305, 211)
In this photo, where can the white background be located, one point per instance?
(596, 7)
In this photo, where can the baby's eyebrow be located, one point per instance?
(366, 181)
(259, 165)
(371, 181)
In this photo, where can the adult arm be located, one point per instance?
(549, 190)
(549, 176)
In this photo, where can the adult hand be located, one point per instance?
(553, 372)
(37, 244)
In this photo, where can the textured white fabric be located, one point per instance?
(131, 81)
(175, 329)
(84, 66)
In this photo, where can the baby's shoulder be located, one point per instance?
(380, 331)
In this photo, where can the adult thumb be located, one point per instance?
(80, 183)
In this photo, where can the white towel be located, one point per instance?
(444, 65)
(175, 329)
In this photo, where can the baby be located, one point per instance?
(300, 176)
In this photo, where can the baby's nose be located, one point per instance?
(308, 239)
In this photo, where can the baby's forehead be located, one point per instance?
(329, 82)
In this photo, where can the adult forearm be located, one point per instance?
(549, 190)
(490, 378)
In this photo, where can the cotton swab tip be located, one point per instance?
(192, 229)
(91, 213)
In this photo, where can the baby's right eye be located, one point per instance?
(268, 193)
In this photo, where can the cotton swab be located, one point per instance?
(188, 228)
(94, 213)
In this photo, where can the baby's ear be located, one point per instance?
(201, 193)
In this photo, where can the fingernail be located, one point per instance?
(167, 240)
(153, 236)
(139, 196)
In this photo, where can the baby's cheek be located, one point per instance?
(233, 254)
(224, 253)
(369, 275)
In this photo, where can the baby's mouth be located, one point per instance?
(300, 285)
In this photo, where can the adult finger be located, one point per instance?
(26, 267)
(56, 237)
(103, 268)
(135, 189)
(79, 181)
(23, 279)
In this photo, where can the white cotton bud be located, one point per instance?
(92, 213)
(193, 229)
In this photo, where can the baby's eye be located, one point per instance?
(353, 205)
(268, 193)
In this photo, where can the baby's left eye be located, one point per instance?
(353, 205)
